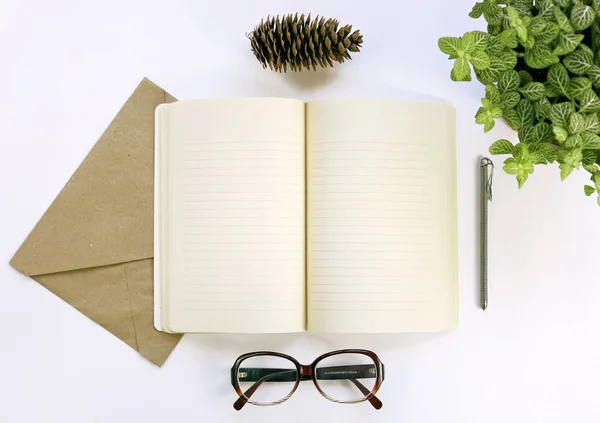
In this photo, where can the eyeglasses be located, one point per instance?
(344, 376)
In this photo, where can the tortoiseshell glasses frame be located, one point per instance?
(301, 372)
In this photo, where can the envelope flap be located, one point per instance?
(104, 214)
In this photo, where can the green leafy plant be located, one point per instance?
(540, 63)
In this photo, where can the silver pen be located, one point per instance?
(487, 173)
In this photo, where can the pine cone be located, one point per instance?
(298, 42)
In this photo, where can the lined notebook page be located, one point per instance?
(382, 248)
(234, 228)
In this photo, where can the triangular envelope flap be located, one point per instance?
(118, 298)
(104, 214)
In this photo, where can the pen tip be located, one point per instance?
(484, 305)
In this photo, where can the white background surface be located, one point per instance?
(66, 69)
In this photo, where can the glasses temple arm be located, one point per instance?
(375, 402)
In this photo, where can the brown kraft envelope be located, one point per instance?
(94, 245)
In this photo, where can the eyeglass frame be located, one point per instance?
(308, 372)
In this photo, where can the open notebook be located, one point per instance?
(275, 215)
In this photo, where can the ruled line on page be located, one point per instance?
(217, 310)
(366, 159)
(369, 142)
(205, 141)
(354, 310)
(231, 159)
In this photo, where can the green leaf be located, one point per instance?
(525, 77)
(495, 47)
(562, 20)
(464, 79)
(545, 8)
(508, 38)
(559, 78)
(487, 114)
(542, 132)
(461, 68)
(527, 134)
(594, 74)
(540, 56)
(522, 178)
(579, 61)
(525, 111)
(492, 94)
(466, 44)
(596, 6)
(574, 141)
(569, 42)
(522, 163)
(579, 86)
(537, 25)
(513, 16)
(582, 17)
(542, 108)
(560, 133)
(551, 92)
(586, 49)
(524, 36)
(509, 99)
(481, 115)
(596, 179)
(449, 45)
(565, 170)
(548, 34)
(479, 59)
(591, 168)
(512, 118)
(560, 113)
(571, 160)
(498, 64)
(589, 157)
(589, 102)
(494, 30)
(508, 60)
(477, 11)
(522, 6)
(533, 91)
(576, 123)
(592, 123)
(589, 190)
(511, 166)
(595, 29)
(538, 158)
(479, 38)
(488, 76)
(502, 147)
(529, 42)
(492, 13)
(546, 150)
(491, 107)
(558, 51)
(521, 153)
(590, 141)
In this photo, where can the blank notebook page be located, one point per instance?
(234, 247)
(382, 249)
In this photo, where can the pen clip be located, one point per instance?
(485, 162)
